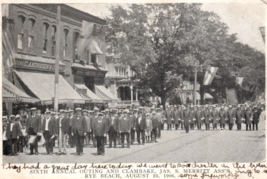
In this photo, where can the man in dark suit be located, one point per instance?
(133, 125)
(169, 117)
(71, 138)
(239, 116)
(79, 130)
(248, 118)
(187, 119)
(222, 115)
(34, 130)
(100, 129)
(193, 117)
(49, 129)
(255, 116)
(231, 116)
(215, 117)
(198, 116)
(159, 117)
(206, 115)
(12, 134)
(154, 126)
(141, 126)
(176, 116)
(180, 117)
(124, 128)
(113, 127)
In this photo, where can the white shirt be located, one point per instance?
(11, 126)
(46, 124)
(139, 120)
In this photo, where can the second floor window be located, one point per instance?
(93, 58)
(45, 29)
(53, 50)
(75, 47)
(30, 41)
(21, 20)
(65, 42)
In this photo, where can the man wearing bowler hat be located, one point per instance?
(79, 130)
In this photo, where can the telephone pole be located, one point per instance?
(57, 73)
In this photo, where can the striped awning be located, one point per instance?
(11, 93)
(105, 94)
(89, 96)
(42, 86)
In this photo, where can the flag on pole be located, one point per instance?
(239, 80)
(88, 38)
(231, 96)
(209, 75)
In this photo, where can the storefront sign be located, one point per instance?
(20, 63)
(89, 72)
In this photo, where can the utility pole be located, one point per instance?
(57, 73)
(195, 86)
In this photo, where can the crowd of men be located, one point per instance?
(117, 127)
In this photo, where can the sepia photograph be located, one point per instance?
(133, 83)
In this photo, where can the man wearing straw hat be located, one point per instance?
(100, 129)
(34, 130)
(124, 128)
(113, 127)
(79, 130)
(49, 131)
(141, 126)
(12, 134)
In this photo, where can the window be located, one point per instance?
(45, 29)
(30, 36)
(31, 25)
(65, 43)
(75, 47)
(53, 50)
(93, 58)
(30, 41)
(21, 20)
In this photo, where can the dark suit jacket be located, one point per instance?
(256, 115)
(132, 121)
(124, 125)
(206, 115)
(223, 116)
(15, 131)
(248, 115)
(52, 126)
(214, 114)
(154, 122)
(231, 115)
(79, 124)
(115, 124)
(239, 116)
(35, 123)
(187, 117)
(169, 116)
(176, 116)
(198, 116)
(142, 125)
(100, 128)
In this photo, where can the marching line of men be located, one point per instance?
(196, 116)
(80, 127)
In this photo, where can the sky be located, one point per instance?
(242, 18)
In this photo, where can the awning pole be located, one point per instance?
(57, 73)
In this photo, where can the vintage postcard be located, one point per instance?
(145, 89)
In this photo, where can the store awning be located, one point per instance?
(207, 96)
(42, 86)
(11, 93)
(89, 96)
(104, 93)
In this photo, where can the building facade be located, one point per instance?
(82, 65)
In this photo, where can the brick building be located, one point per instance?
(32, 66)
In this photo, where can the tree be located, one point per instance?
(162, 43)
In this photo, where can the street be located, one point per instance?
(174, 146)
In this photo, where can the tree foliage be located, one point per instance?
(163, 42)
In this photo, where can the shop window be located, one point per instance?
(31, 25)
(65, 43)
(53, 50)
(45, 29)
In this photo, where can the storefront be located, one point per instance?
(35, 76)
